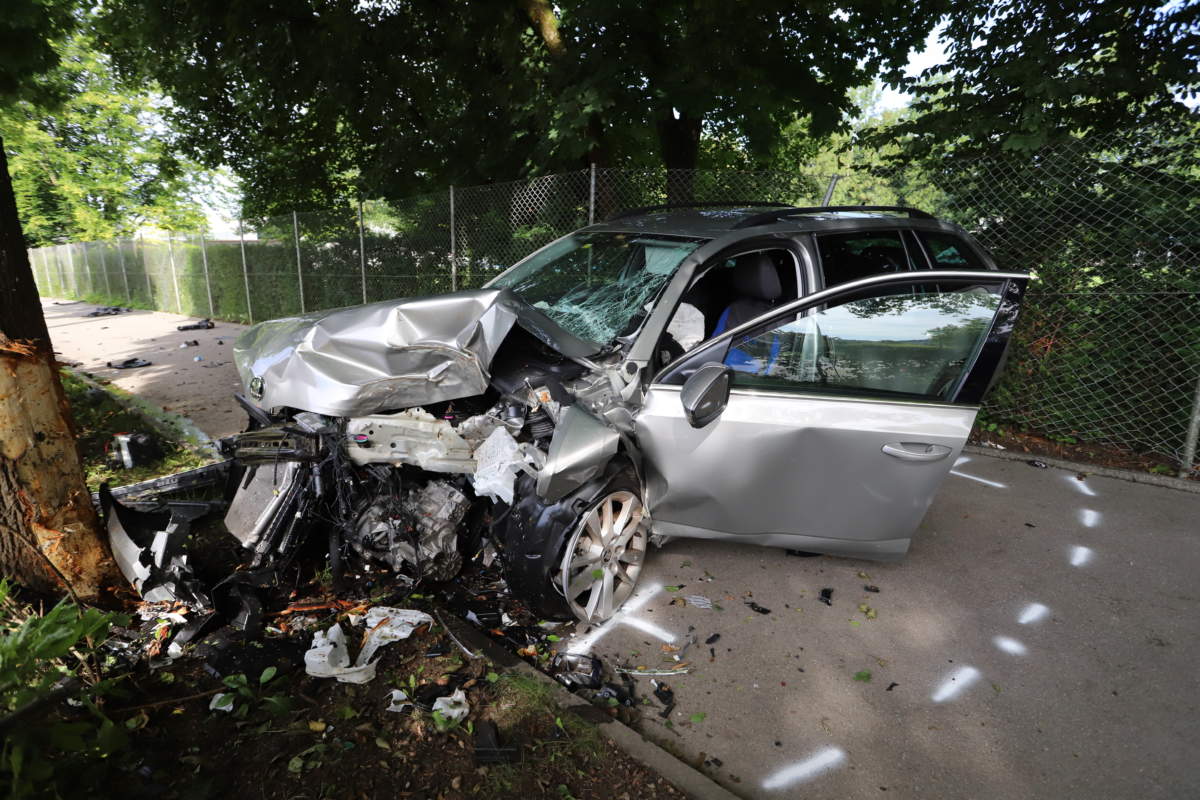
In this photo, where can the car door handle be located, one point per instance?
(916, 451)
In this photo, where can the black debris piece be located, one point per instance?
(714, 762)
(438, 650)
(578, 669)
(778, 743)
(106, 311)
(192, 343)
(826, 597)
(487, 746)
(129, 363)
(716, 637)
(1033, 462)
(712, 654)
(892, 685)
(871, 588)
(1030, 525)
(203, 325)
(129, 450)
(618, 693)
(801, 553)
(756, 607)
(666, 696)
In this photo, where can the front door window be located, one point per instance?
(916, 345)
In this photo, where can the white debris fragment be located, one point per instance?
(498, 460)
(329, 658)
(994, 446)
(398, 702)
(698, 600)
(453, 707)
(222, 701)
(386, 625)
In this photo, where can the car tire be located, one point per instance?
(544, 543)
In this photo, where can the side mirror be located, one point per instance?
(706, 393)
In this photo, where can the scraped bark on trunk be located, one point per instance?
(49, 531)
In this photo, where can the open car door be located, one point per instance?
(827, 425)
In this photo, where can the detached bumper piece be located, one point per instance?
(148, 548)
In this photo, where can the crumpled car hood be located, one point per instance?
(390, 355)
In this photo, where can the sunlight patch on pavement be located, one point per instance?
(1010, 645)
(810, 767)
(1089, 518)
(584, 643)
(984, 481)
(1081, 555)
(1032, 613)
(1080, 486)
(954, 685)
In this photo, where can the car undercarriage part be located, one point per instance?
(420, 529)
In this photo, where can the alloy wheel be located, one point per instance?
(604, 557)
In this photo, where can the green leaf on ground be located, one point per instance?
(864, 676)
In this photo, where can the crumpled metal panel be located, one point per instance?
(582, 446)
(395, 354)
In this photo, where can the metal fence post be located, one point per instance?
(453, 248)
(124, 274)
(87, 266)
(833, 182)
(141, 245)
(1193, 434)
(245, 272)
(362, 251)
(592, 197)
(207, 282)
(299, 270)
(174, 271)
(104, 269)
(58, 269)
(71, 271)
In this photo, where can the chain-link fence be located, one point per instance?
(1107, 350)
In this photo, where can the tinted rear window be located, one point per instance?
(849, 256)
(947, 251)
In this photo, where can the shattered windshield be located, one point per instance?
(597, 285)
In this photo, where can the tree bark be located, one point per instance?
(679, 145)
(49, 531)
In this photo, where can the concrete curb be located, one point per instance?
(164, 421)
(685, 777)
(1108, 472)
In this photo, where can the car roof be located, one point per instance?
(755, 221)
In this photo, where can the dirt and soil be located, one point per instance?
(297, 736)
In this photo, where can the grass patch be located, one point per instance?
(98, 417)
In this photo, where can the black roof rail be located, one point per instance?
(637, 212)
(768, 217)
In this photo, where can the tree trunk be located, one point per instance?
(49, 531)
(679, 144)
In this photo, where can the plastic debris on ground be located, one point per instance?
(129, 363)
(203, 325)
(578, 670)
(398, 702)
(716, 637)
(488, 749)
(871, 588)
(826, 597)
(329, 658)
(1033, 462)
(757, 608)
(107, 311)
(666, 696)
(453, 707)
(698, 600)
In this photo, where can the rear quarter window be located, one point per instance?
(947, 251)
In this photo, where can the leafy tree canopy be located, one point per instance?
(99, 161)
(1022, 74)
(313, 102)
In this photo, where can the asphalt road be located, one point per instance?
(1039, 641)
